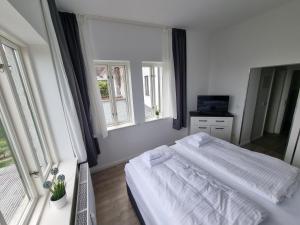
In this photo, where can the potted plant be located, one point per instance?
(57, 188)
(157, 113)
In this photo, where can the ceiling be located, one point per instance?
(205, 14)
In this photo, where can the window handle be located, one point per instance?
(35, 173)
(1, 67)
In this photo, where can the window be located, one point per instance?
(146, 83)
(114, 82)
(152, 83)
(24, 151)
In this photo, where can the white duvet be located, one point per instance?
(190, 196)
(265, 175)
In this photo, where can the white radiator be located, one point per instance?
(85, 207)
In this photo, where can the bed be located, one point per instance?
(176, 192)
(149, 210)
(286, 212)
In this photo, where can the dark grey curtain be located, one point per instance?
(179, 56)
(66, 29)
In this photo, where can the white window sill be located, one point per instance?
(45, 213)
(120, 126)
(156, 119)
(112, 128)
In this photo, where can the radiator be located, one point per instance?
(85, 206)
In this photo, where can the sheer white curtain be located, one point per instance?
(98, 117)
(168, 78)
(74, 129)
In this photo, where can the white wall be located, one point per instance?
(14, 27)
(31, 11)
(43, 69)
(117, 41)
(135, 43)
(249, 111)
(266, 40)
(197, 66)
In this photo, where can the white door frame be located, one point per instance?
(267, 105)
(290, 155)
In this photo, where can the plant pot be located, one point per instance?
(60, 202)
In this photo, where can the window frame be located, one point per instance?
(152, 87)
(20, 162)
(33, 109)
(26, 159)
(112, 99)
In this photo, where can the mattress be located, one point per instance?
(147, 206)
(272, 178)
(283, 213)
(185, 194)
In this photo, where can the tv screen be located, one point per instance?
(212, 104)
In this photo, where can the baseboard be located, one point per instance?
(112, 164)
(245, 143)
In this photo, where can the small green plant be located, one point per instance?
(157, 112)
(57, 187)
(103, 86)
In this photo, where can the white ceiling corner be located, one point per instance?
(204, 14)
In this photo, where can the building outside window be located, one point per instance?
(113, 78)
(152, 84)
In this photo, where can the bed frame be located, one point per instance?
(135, 207)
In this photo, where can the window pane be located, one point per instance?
(34, 131)
(157, 86)
(122, 110)
(103, 84)
(120, 93)
(146, 85)
(13, 196)
(146, 70)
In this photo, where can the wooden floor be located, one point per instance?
(270, 144)
(112, 203)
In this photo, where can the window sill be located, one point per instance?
(120, 126)
(126, 125)
(156, 119)
(45, 213)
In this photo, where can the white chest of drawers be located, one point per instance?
(220, 127)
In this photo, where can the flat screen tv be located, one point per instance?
(210, 104)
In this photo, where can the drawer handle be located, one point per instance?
(220, 121)
(219, 128)
(202, 127)
(202, 120)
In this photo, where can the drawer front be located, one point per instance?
(201, 121)
(222, 132)
(198, 120)
(196, 129)
(227, 121)
(211, 121)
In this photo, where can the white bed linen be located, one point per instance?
(267, 176)
(189, 195)
(148, 206)
(284, 213)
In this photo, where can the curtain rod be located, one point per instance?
(124, 21)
